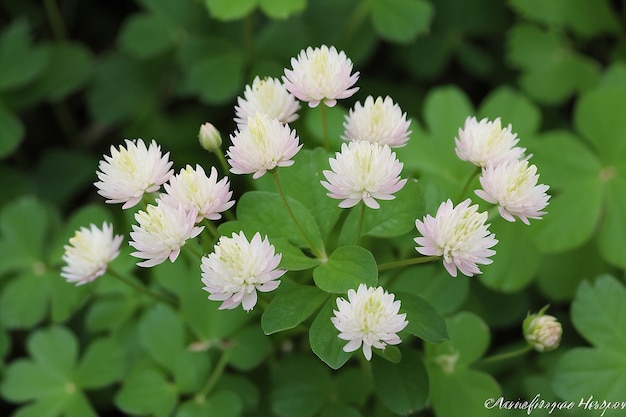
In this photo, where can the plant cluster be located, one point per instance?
(311, 208)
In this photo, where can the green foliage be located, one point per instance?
(599, 313)
(76, 79)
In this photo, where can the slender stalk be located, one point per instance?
(354, 22)
(281, 191)
(193, 251)
(222, 160)
(359, 226)
(214, 377)
(141, 288)
(505, 355)
(210, 227)
(407, 262)
(325, 126)
(56, 20)
(469, 181)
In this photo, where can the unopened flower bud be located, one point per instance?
(542, 331)
(209, 137)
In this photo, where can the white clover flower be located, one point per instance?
(262, 145)
(209, 137)
(363, 171)
(512, 185)
(380, 121)
(370, 318)
(484, 143)
(89, 253)
(194, 190)
(162, 231)
(268, 96)
(543, 332)
(321, 74)
(460, 235)
(237, 269)
(132, 171)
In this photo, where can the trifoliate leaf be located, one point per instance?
(101, 364)
(146, 391)
(346, 268)
(424, 321)
(290, 308)
(599, 314)
(229, 9)
(403, 386)
(161, 333)
(265, 212)
(19, 61)
(250, 347)
(323, 338)
(401, 20)
(513, 108)
(281, 9)
(301, 386)
(11, 134)
(146, 35)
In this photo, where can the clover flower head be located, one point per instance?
(543, 332)
(512, 185)
(268, 96)
(485, 143)
(261, 145)
(238, 268)
(460, 235)
(368, 318)
(89, 252)
(380, 121)
(363, 171)
(194, 190)
(321, 74)
(163, 229)
(132, 171)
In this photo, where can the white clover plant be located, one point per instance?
(319, 225)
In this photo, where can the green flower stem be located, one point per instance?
(469, 181)
(281, 191)
(407, 262)
(222, 161)
(193, 251)
(214, 377)
(56, 20)
(359, 226)
(354, 22)
(142, 289)
(325, 126)
(506, 355)
(210, 227)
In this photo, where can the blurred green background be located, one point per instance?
(79, 76)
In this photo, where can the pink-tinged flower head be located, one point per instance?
(485, 143)
(89, 253)
(262, 145)
(369, 318)
(194, 190)
(460, 235)
(132, 171)
(162, 231)
(321, 74)
(238, 268)
(363, 171)
(268, 96)
(380, 121)
(512, 185)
